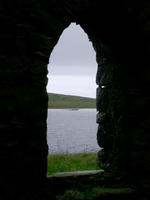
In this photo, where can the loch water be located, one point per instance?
(72, 131)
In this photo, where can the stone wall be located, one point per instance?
(120, 35)
(121, 41)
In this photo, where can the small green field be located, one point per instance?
(66, 101)
(71, 162)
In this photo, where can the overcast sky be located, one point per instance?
(72, 68)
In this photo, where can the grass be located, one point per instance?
(67, 101)
(71, 162)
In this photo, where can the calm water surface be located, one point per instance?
(72, 131)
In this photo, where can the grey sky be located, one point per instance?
(73, 66)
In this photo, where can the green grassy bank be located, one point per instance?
(66, 101)
(71, 162)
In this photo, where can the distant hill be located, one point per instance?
(67, 101)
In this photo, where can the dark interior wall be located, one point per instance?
(121, 40)
(29, 31)
(119, 32)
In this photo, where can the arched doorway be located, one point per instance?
(72, 71)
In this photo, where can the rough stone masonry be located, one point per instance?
(120, 34)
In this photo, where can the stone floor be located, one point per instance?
(78, 173)
(90, 185)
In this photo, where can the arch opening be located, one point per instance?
(72, 71)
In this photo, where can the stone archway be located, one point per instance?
(120, 35)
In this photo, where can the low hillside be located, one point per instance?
(66, 101)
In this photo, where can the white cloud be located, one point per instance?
(72, 85)
(72, 68)
(73, 48)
